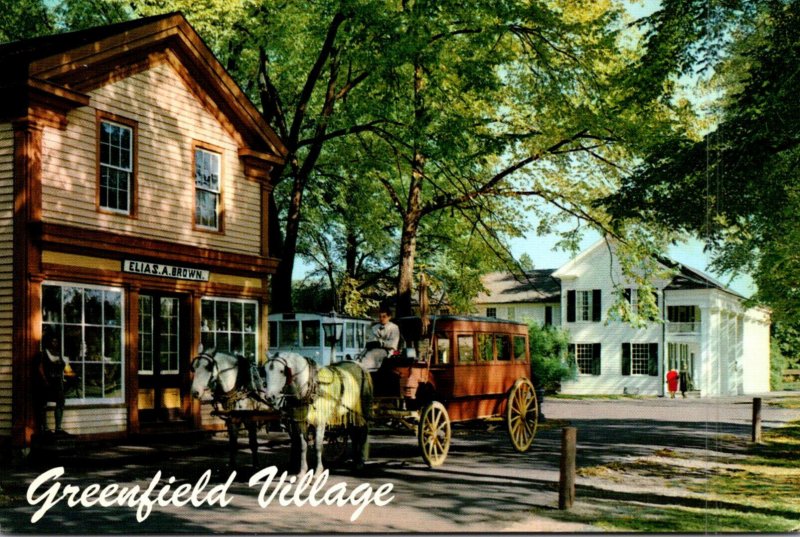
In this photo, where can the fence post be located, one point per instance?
(566, 485)
(757, 419)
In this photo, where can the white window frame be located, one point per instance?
(228, 331)
(491, 313)
(583, 305)
(578, 347)
(150, 371)
(644, 359)
(215, 160)
(82, 401)
(128, 171)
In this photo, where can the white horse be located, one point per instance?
(339, 395)
(232, 386)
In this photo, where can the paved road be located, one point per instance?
(483, 486)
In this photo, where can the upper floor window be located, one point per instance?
(491, 312)
(584, 305)
(116, 167)
(207, 189)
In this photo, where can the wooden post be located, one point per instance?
(757, 419)
(566, 484)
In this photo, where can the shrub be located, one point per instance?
(550, 364)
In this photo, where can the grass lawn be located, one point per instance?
(742, 488)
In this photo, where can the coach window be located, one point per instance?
(485, 348)
(466, 349)
(442, 349)
(229, 325)
(88, 322)
(311, 333)
(501, 343)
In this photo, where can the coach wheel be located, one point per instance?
(433, 434)
(522, 414)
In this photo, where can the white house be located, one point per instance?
(703, 329)
(535, 296)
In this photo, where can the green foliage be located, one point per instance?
(777, 363)
(550, 364)
(737, 186)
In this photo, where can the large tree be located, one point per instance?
(738, 184)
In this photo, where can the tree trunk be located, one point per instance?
(351, 254)
(281, 300)
(405, 280)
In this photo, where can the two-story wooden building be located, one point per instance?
(135, 178)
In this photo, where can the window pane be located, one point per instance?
(73, 340)
(73, 305)
(222, 315)
(485, 347)
(350, 335)
(273, 334)
(519, 348)
(208, 323)
(112, 308)
(112, 382)
(236, 317)
(465, 350)
(207, 338)
(311, 333)
(237, 346)
(289, 335)
(250, 346)
(223, 342)
(442, 349)
(93, 380)
(113, 344)
(503, 347)
(94, 343)
(51, 304)
(249, 317)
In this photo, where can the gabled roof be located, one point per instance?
(690, 278)
(507, 288)
(76, 62)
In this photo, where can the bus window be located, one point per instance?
(273, 334)
(519, 348)
(350, 335)
(289, 335)
(442, 349)
(503, 346)
(310, 333)
(466, 354)
(485, 350)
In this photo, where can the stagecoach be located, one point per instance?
(449, 369)
(457, 369)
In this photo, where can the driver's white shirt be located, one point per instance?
(388, 335)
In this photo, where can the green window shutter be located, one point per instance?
(652, 361)
(595, 359)
(626, 358)
(596, 305)
(570, 306)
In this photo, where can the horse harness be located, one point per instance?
(229, 399)
(289, 389)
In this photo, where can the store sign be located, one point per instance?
(164, 271)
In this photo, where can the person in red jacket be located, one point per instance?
(672, 382)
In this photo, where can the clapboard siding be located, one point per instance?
(169, 119)
(92, 420)
(6, 272)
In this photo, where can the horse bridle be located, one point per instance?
(287, 371)
(213, 381)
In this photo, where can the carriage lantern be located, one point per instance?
(333, 333)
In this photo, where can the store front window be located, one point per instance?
(230, 325)
(88, 321)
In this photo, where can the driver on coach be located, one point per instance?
(385, 338)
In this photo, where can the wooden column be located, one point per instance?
(132, 357)
(566, 485)
(756, 419)
(27, 314)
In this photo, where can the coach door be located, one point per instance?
(160, 357)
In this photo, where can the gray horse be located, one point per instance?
(339, 395)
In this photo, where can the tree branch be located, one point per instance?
(313, 77)
(440, 202)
